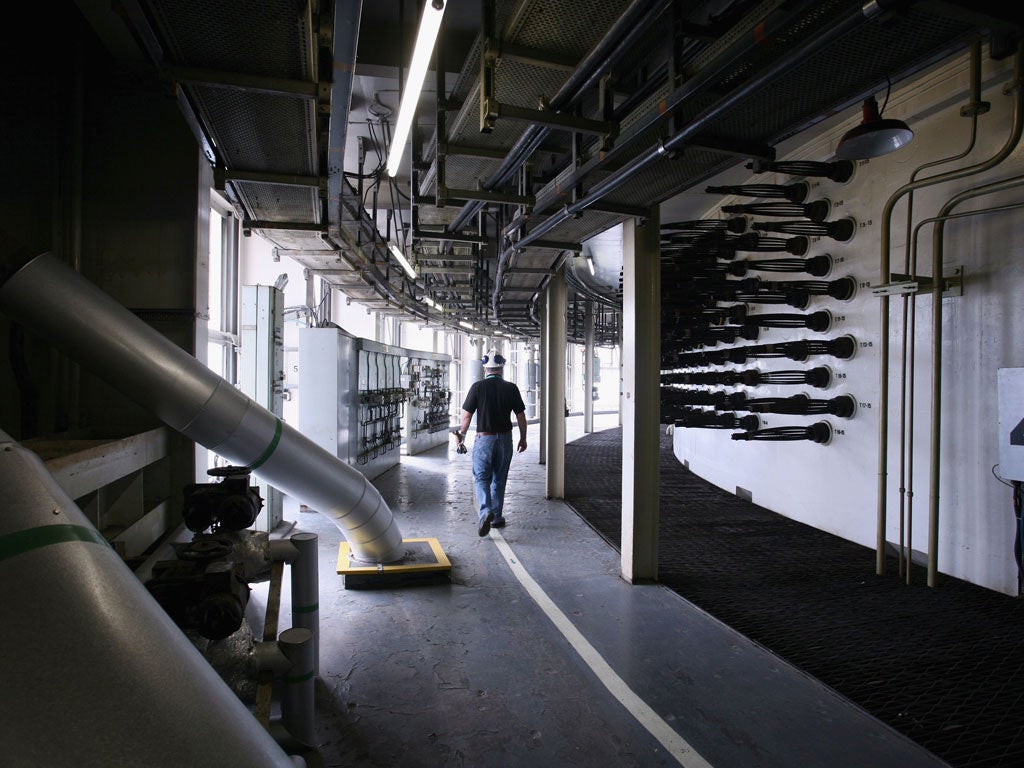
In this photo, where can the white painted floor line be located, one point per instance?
(676, 746)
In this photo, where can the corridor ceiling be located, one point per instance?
(592, 113)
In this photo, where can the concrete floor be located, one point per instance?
(537, 653)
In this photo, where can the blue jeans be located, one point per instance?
(492, 456)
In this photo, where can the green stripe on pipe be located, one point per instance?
(298, 679)
(270, 448)
(306, 608)
(20, 542)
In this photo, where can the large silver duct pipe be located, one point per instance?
(50, 298)
(94, 670)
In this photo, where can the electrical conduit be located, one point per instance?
(973, 109)
(936, 412)
(884, 274)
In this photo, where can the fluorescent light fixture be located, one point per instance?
(397, 253)
(429, 302)
(430, 25)
(590, 262)
(464, 324)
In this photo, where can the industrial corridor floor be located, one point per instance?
(537, 653)
(943, 665)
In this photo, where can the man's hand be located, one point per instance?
(459, 441)
(522, 444)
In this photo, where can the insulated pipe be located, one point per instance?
(92, 328)
(884, 274)
(306, 590)
(93, 668)
(298, 695)
(300, 552)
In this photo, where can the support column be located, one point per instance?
(588, 369)
(641, 382)
(555, 390)
(542, 380)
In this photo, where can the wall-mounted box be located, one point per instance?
(1011, 423)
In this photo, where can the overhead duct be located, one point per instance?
(100, 334)
(94, 670)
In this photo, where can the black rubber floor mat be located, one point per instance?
(944, 665)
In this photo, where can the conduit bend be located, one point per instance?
(93, 329)
(884, 272)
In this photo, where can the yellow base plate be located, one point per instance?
(424, 559)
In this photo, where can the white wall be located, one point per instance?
(834, 487)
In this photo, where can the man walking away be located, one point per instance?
(493, 400)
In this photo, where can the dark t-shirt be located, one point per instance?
(493, 399)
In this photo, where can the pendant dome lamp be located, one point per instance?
(874, 137)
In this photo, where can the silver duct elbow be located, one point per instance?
(56, 302)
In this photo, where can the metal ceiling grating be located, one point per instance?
(721, 48)
(274, 42)
(532, 26)
(260, 132)
(280, 203)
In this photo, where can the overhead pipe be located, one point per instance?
(853, 19)
(695, 84)
(742, 46)
(94, 669)
(884, 272)
(633, 22)
(90, 327)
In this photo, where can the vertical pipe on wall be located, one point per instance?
(936, 382)
(229, 292)
(531, 383)
(972, 109)
(885, 276)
